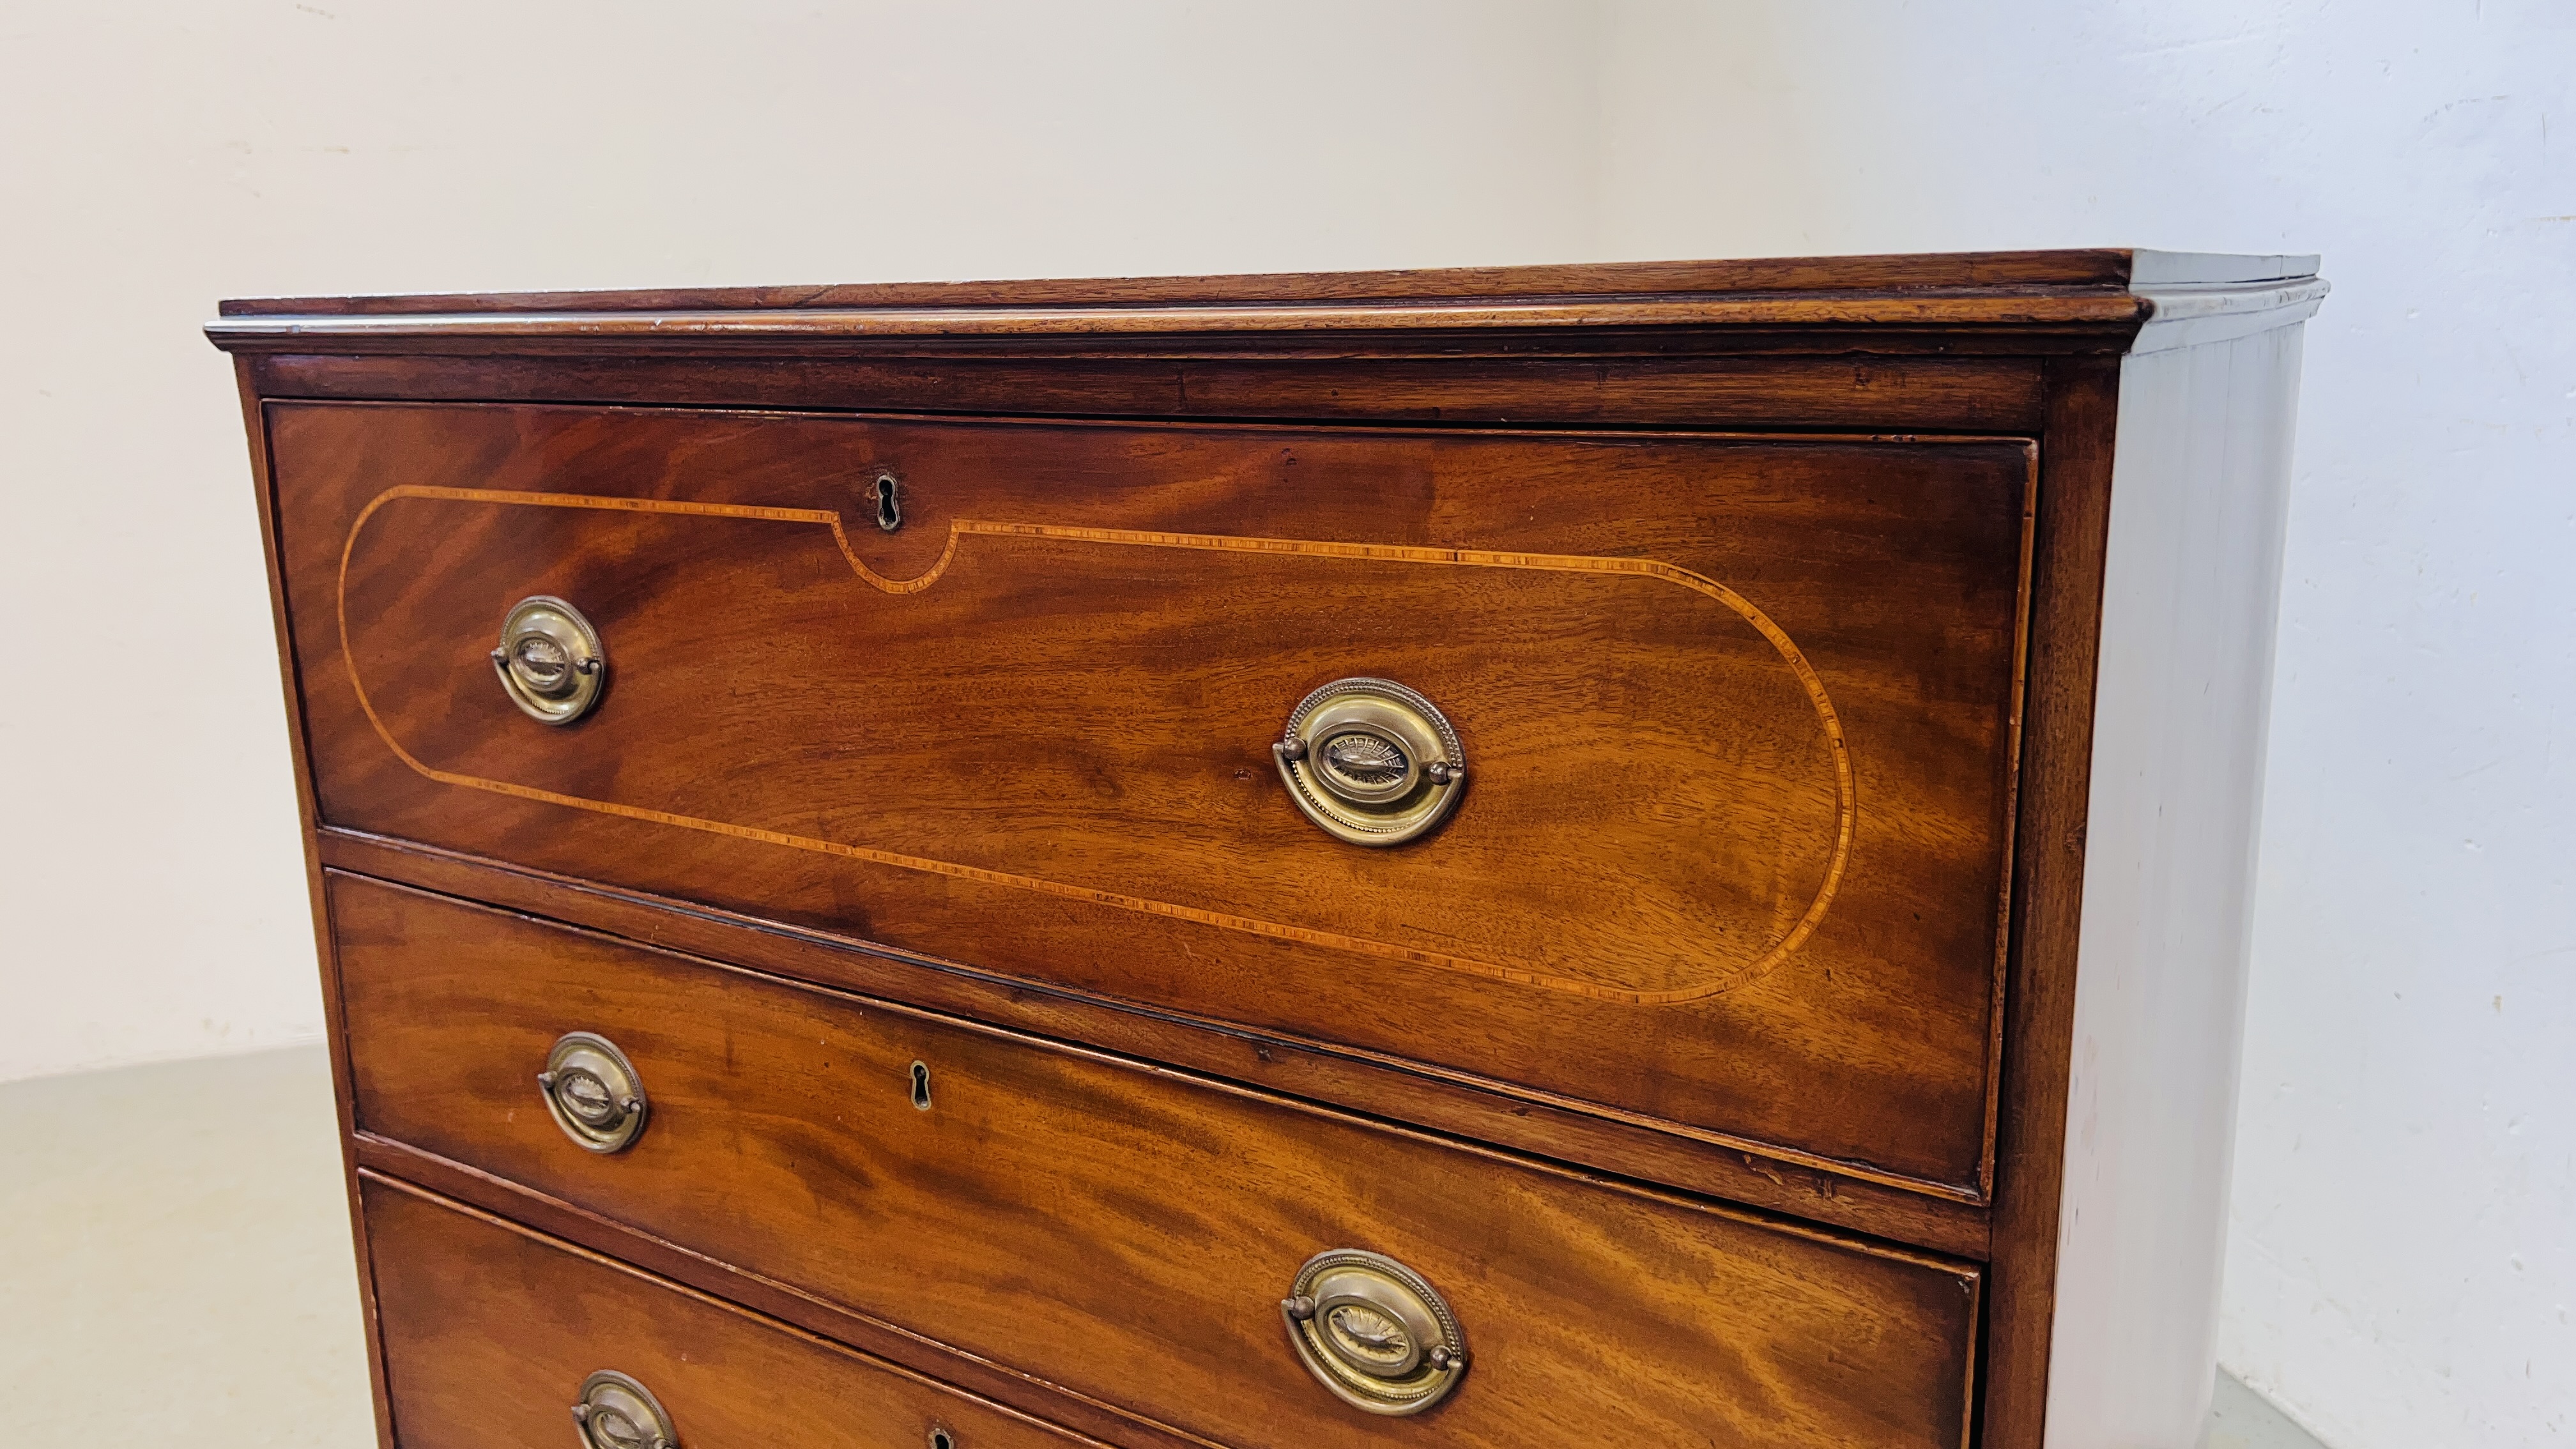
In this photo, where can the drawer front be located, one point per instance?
(491, 1334)
(1124, 1233)
(1736, 719)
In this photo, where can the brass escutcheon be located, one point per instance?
(1371, 761)
(1374, 1332)
(550, 660)
(616, 1412)
(593, 1092)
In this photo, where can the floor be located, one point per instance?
(2240, 1418)
(174, 1259)
(174, 1265)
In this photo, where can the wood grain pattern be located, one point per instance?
(1125, 1231)
(1871, 394)
(2031, 269)
(1455, 1103)
(1098, 719)
(667, 332)
(490, 1330)
(1895, 1075)
(1302, 567)
(2254, 308)
(2037, 300)
(525, 1206)
(2048, 873)
(2100, 268)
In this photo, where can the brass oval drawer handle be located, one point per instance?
(550, 660)
(1374, 1332)
(593, 1092)
(616, 1412)
(1371, 761)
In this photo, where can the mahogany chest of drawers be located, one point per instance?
(1641, 855)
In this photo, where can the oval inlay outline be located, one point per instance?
(1847, 810)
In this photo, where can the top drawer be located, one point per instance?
(1736, 715)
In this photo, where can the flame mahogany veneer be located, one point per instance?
(1814, 1025)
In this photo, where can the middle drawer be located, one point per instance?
(1126, 1233)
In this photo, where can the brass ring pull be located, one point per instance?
(616, 1412)
(550, 660)
(593, 1092)
(1371, 761)
(1373, 1332)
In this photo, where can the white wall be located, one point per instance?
(2402, 1264)
(2403, 1260)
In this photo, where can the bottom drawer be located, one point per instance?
(492, 1334)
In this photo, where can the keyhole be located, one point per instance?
(889, 510)
(920, 1086)
(942, 1439)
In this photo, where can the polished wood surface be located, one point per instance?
(491, 1330)
(1863, 1096)
(1944, 394)
(1124, 1231)
(2003, 274)
(2099, 268)
(1450, 1102)
(2024, 301)
(2057, 770)
(1726, 854)
(665, 331)
(553, 1217)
